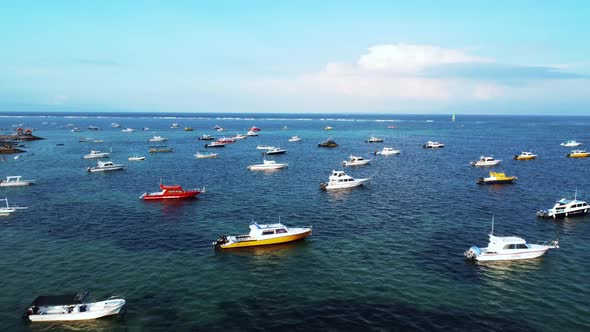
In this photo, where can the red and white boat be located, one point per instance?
(226, 140)
(171, 192)
(254, 129)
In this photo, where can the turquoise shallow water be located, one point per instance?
(384, 257)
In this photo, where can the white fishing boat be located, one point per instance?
(525, 155)
(570, 143)
(263, 234)
(15, 181)
(128, 130)
(264, 147)
(433, 145)
(96, 154)
(295, 139)
(485, 162)
(267, 165)
(136, 157)
(566, 208)
(158, 139)
(238, 137)
(387, 151)
(105, 166)
(175, 125)
(115, 125)
(355, 161)
(339, 180)
(5, 211)
(374, 139)
(72, 307)
(275, 151)
(502, 248)
(199, 155)
(252, 133)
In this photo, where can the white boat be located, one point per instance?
(387, 152)
(158, 139)
(275, 151)
(262, 235)
(115, 125)
(96, 154)
(374, 139)
(199, 155)
(175, 125)
(104, 166)
(252, 133)
(220, 129)
(239, 137)
(355, 161)
(485, 161)
(503, 248)
(339, 180)
(267, 165)
(264, 147)
(128, 130)
(295, 139)
(15, 181)
(71, 307)
(136, 157)
(433, 145)
(525, 155)
(566, 208)
(5, 211)
(570, 143)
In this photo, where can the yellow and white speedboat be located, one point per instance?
(578, 154)
(263, 234)
(525, 155)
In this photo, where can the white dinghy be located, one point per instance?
(71, 307)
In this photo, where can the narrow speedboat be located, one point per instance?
(158, 139)
(267, 165)
(264, 147)
(71, 307)
(433, 145)
(387, 152)
(104, 166)
(263, 234)
(570, 143)
(565, 208)
(355, 161)
(15, 181)
(96, 154)
(275, 151)
(136, 157)
(215, 145)
(206, 137)
(502, 248)
(339, 180)
(497, 178)
(525, 155)
(374, 139)
(128, 130)
(294, 138)
(5, 211)
(170, 192)
(329, 143)
(199, 155)
(578, 154)
(485, 162)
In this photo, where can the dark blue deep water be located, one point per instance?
(384, 257)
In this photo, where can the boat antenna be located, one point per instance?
(576, 193)
(492, 224)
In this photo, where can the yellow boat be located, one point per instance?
(496, 178)
(578, 154)
(263, 234)
(524, 155)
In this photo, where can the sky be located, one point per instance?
(466, 57)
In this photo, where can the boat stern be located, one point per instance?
(472, 253)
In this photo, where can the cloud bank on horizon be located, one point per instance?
(307, 56)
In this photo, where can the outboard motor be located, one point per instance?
(472, 253)
(222, 240)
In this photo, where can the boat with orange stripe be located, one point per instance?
(263, 234)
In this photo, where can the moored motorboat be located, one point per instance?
(104, 166)
(275, 151)
(578, 154)
(96, 154)
(158, 139)
(5, 211)
(252, 133)
(264, 147)
(267, 165)
(355, 161)
(263, 234)
(433, 145)
(136, 157)
(374, 139)
(329, 143)
(188, 129)
(485, 162)
(226, 140)
(238, 137)
(328, 128)
(15, 181)
(501, 248)
(254, 128)
(215, 145)
(497, 178)
(565, 208)
(387, 151)
(158, 149)
(339, 180)
(174, 126)
(570, 143)
(525, 155)
(206, 137)
(199, 155)
(128, 130)
(294, 138)
(71, 307)
(170, 192)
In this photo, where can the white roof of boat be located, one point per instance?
(266, 226)
(507, 239)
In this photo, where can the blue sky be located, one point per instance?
(524, 57)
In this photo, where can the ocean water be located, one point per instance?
(387, 256)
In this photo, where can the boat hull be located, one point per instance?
(347, 185)
(575, 213)
(484, 181)
(524, 157)
(485, 257)
(156, 197)
(108, 308)
(15, 184)
(95, 170)
(578, 155)
(276, 240)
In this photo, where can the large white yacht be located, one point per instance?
(339, 180)
(565, 208)
(485, 162)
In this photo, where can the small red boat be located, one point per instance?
(255, 129)
(226, 140)
(170, 192)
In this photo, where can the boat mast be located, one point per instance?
(492, 225)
